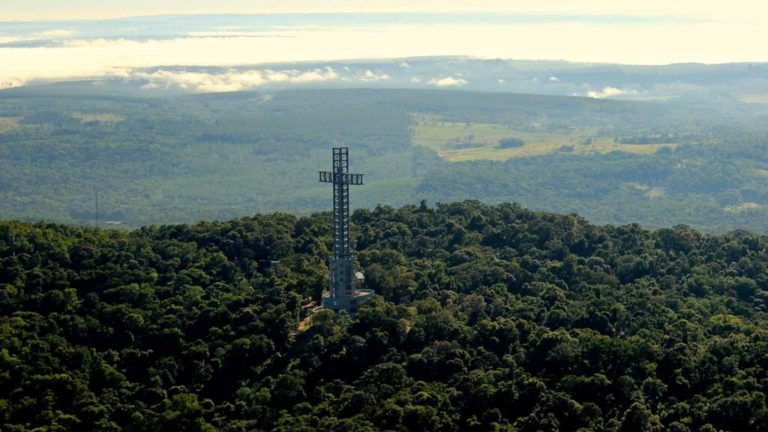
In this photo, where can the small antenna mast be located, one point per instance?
(96, 199)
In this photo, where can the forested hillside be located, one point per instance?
(186, 158)
(488, 318)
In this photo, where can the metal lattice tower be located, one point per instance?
(344, 280)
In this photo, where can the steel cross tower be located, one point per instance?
(344, 280)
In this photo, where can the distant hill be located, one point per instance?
(487, 318)
(184, 158)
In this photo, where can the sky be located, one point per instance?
(738, 10)
(55, 40)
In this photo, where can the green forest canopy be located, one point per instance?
(487, 318)
(183, 159)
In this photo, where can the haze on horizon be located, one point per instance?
(47, 40)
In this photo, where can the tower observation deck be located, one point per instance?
(345, 292)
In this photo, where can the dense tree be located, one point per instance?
(488, 318)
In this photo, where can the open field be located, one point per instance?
(98, 118)
(457, 142)
(755, 98)
(648, 191)
(7, 123)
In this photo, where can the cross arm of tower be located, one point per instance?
(331, 177)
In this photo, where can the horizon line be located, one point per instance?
(664, 18)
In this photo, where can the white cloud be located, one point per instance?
(237, 80)
(606, 92)
(52, 34)
(448, 81)
(575, 42)
(230, 33)
(734, 10)
(554, 79)
(501, 81)
(405, 65)
(10, 83)
(231, 80)
(370, 75)
(415, 80)
(43, 35)
(101, 43)
(326, 74)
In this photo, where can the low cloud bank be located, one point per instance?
(53, 34)
(607, 92)
(370, 75)
(448, 81)
(232, 80)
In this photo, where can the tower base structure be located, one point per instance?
(345, 292)
(347, 303)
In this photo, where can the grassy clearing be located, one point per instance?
(649, 191)
(757, 98)
(98, 118)
(456, 142)
(7, 123)
(743, 207)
